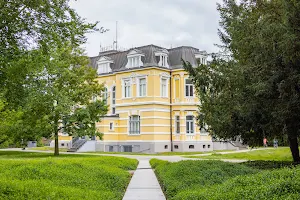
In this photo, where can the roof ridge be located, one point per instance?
(175, 48)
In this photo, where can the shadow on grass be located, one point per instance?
(20, 154)
(268, 165)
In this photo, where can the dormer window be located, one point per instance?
(104, 65)
(162, 58)
(134, 58)
(201, 58)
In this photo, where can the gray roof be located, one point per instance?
(174, 59)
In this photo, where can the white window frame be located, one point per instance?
(139, 85)
(134, 124)
(105, 95)
(134, 59)
(191, 124)
(103, 65)
(177, 124)
(113, 100)
(190, 85)
(124, 88)
(163, 58)
(167, 87)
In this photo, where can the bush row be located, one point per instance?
(217, 180)
(195, 175)
(276, 184)
(65, 178)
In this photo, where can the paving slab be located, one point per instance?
(144, 184)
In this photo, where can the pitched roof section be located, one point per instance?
(174, 59)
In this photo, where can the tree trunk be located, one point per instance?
(292, 131)
(294, 148)
(56, 149)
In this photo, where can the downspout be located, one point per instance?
(171, 123)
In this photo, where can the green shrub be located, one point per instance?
(275, 184)
(85, 177)
(195, 175)
(156, 162)
(268, 165)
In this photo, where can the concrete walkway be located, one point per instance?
(144, 184)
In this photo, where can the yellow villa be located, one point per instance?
(152, 102)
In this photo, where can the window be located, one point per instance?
(127, 88)
(111, 126)
(113, 100)
(134, 61)
(111, 148)
(135, 58)
(105, 95)
(166, 146)
(103, 68)
(162, 58)
(176, 146)
(94, 98)
(127, 148)
(191, 146)
(142, 87)
(134, 124)
(62, 144)
(189, 88)
(204, 146)
(163, 87)
(164, 61)
(208, 146)
(190, 124)
(177, 124)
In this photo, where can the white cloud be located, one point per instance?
(162, 22)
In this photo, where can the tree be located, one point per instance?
(41, 62)
(62, 94)
(256, 91)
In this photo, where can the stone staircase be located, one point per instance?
(238, 144)
(76, 144)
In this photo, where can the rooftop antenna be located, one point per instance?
(116, 41)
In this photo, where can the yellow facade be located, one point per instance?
(153, 109)
(152, 104)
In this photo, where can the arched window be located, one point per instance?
(113, 100)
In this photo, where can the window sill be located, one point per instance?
(135, 134)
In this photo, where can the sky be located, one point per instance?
(166, 23)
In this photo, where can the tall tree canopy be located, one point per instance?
(254, 91)
(41, 62)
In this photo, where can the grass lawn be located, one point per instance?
(214, 180)
(47, 149)
(25, 175)
(279, 154)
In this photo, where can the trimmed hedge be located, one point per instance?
(217, 180)
(275, 184)
(65, 178)
(195, 175)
